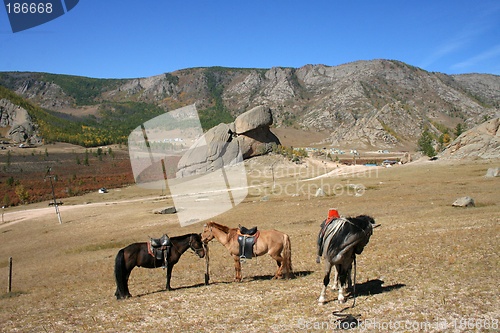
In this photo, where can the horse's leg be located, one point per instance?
(169, 276)
(343, 271)
(326, 280)
(279, 271)
(280, 261)
(349, 277)
(127, 292)
(237, 268)
(335, 284)
(123, 267)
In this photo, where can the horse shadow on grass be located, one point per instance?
(265, 277)
(295, 275)
(198, 285)
(370, 288)
(374, 287)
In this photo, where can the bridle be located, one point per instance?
(196, 250)
(211, 233)
(365, 231)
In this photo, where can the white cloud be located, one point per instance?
(472, 32)
(488, 54)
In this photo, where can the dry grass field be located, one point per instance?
(429, 267)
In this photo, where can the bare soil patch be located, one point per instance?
(299, 138)
(82, 111)
(428, 264)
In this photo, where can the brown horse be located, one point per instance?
(273, 242)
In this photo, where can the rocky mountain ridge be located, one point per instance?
(377, 103)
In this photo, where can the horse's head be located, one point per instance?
(207, 235)
(366, 224)
(197, 245)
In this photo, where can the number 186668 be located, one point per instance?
(29, 8)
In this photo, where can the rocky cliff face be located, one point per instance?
(379, 103)
(20, 127)
(482, 141)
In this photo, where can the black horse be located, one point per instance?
(137, 254)
(339, 242)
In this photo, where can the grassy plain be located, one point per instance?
(429, 267)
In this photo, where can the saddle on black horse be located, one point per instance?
(321, 235)
(160, 248)
(246, 240)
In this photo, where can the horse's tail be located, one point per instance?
(287, 256)
(121, 276)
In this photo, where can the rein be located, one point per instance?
(348, 320)
(354, 284)
(195, 251)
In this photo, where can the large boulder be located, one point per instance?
(253, 133)
(257, 142)
(493, 172)
(166, 210)
(223, 144)
(464, 202)
(210, 152)
(482, 141)
(257, 117)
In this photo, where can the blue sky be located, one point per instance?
(125, 38)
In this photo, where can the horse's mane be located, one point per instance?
(354, 225)
(362, 221)
(221, 227)
(182, 237)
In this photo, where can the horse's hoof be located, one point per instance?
(122, 297)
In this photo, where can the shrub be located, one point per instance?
(425, 144)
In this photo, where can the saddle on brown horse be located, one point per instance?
(246, 240)
(160, 248)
